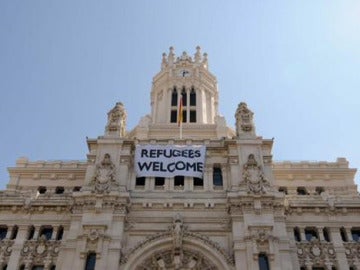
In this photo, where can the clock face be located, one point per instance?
(184, 73)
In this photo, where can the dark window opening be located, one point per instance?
(42, 190)
(173, 116)
(53, 267)
(355, 233)
(183, 96)
(198, 182)
(31, 233)
(301, 191)
(352, 268)
(326, 234)
(184, 118)
(90, 261)
(283, 189)
(263, 262)
(174, 98)
(297, 234)
(178, 180)
(217, 176)
(140, 181)
(60, 233)
(14, 232)
(22, 267)
(3, 232)
(159, 181)
(76, 189)
(59, 190)
(4, 267)
(38, 267)
(318, 268)
(302, 268)
(311, 233)
(343, 234)
(192, 116)
(319, 190)
(192, 97)
(46, 232)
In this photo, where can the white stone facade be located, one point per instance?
(245, 209)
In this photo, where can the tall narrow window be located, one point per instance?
(184, 119)
(183, 96)
(192, 97)
(90, 261)
(14, 232)
(217, 176)
(60, 233)
(31, 232)
(263, 262)
(192, 116)
(173, 116)
(174, 97)
(326, 234)
(343, 234)
(297, 234)
(3, 232)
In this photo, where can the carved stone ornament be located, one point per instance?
(317, 252)
(254, 179)
(104, 177)
(117, 120)
(244, 120)
(179, 256)
(40, 251)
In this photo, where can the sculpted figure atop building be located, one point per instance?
(244, 121)
(116, 124)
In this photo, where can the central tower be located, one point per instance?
(189, 79)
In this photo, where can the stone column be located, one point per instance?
(17, 247)
(339, 249)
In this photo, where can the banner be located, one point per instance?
(169, 160)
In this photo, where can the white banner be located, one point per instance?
(169, 160)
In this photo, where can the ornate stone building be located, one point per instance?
(245, 212)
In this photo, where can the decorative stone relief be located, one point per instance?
(104, 177)
(262, 239)
(315, 253)
(352, 252)
(254, 180)
(40, 251)
(244, 120)
(117, 120)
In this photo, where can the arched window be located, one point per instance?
(184, 97)
(174, 97)
(263, 262)
(311, 233)
(46, 231)
(192, 97)
(90, 261)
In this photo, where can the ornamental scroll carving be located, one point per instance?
(117, 120)
(40, 251)
(316, 252)
(254, 180)
(104, 177)
(244, 120)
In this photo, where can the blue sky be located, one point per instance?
(64, 64)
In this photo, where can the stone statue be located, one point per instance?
(117, 120)
(244, 120)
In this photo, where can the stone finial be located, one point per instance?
(171, 57)
(164, 61)
(205, 61)
(116, 124)
(197, 56)
(244, 121)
